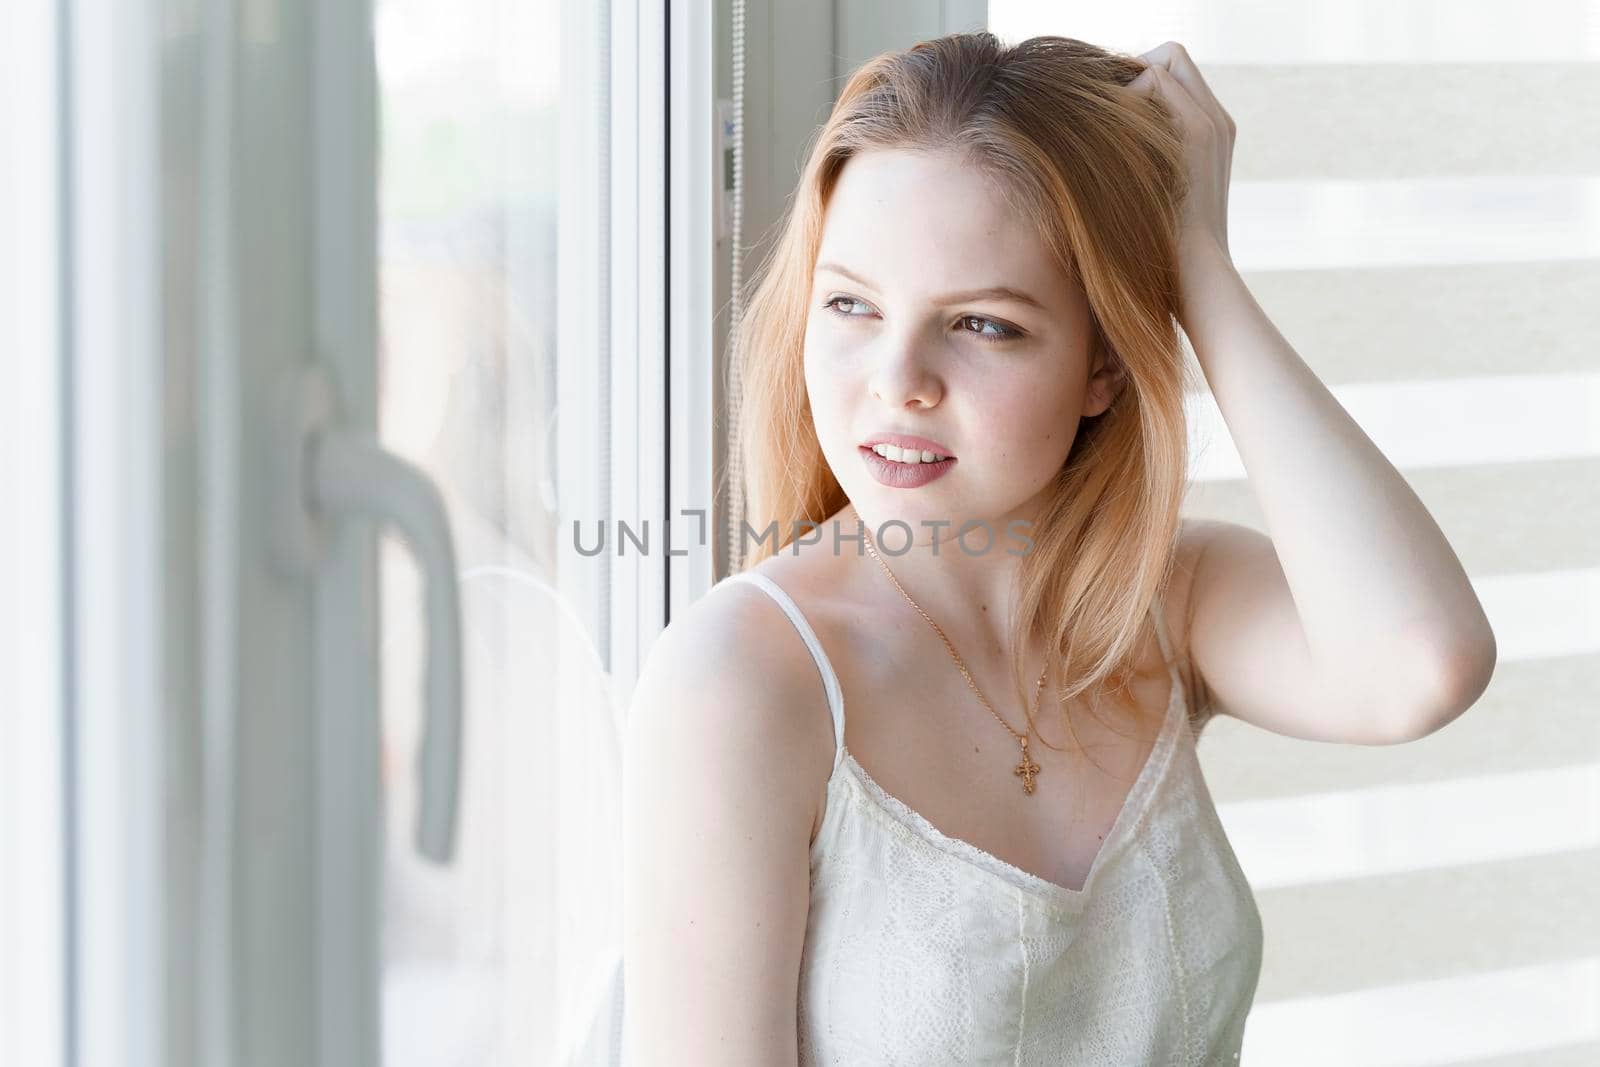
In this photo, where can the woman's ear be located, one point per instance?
(1106, 382)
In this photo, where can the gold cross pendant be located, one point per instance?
(1027, 769)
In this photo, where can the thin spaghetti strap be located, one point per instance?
(1161, 628)
(1180, 690)
(830, 681)
(1161, 638)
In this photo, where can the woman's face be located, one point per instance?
(900, 341)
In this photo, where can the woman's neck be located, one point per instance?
(968, 592)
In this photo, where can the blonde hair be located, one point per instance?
(1099, 173)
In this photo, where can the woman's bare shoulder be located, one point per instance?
(720, 772)
(733, 665)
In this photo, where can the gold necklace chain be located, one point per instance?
(1027, 769)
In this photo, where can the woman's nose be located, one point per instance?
(903, 374)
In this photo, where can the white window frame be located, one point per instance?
(115, 481)
(33, 964)
(663, 235)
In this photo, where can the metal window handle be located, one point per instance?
(329, 471)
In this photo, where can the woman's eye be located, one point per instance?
(1001, 333)
(988, 329)
(842, 300)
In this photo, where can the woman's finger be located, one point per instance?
(1157, 79)
(1177, 62)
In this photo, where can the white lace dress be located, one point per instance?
(924, 949)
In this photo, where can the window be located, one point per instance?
(528, 363)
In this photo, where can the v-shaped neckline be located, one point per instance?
(1056, 894)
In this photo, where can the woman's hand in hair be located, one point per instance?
(1208, 133)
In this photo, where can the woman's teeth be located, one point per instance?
(907, 455)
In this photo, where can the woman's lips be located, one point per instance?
(903, 475)
(901, 440)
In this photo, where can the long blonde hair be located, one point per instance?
(1098, 171)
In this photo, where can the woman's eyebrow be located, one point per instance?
(993, 292)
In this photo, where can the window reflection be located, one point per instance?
(470, 97)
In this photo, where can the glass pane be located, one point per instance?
(472, 94)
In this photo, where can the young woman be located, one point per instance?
(899, 795)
